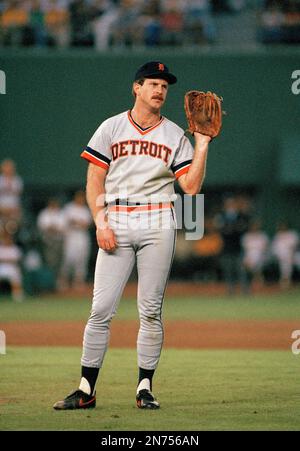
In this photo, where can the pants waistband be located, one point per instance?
(128, 207)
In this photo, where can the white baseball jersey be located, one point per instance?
(53, 219)
(77, 240)
(10, 257)
(255, 246)
(10, 254)
(10, 191)
(77, 217)
(285, 243)
(140, 162)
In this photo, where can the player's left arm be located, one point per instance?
(191, 182)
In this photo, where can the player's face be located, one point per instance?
(153, 93)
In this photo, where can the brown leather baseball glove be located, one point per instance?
(204, 112)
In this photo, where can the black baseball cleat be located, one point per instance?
(76, 400)
(146, 400)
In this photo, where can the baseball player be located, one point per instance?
(255, 246)
(10, 266)
(134, 159)
(283, 248)
(51, 225)
(11, 187)
(76, 247)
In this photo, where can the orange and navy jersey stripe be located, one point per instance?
(141, 130)
(96, 157)
(181, 168)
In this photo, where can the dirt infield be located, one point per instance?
(217, 334)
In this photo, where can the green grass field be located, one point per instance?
(279, 306)
(198, 389)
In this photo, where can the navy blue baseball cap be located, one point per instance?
(155, 69)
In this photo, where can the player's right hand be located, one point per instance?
(106, 239)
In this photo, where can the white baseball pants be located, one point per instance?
(147, 238)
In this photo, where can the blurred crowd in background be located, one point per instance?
(104, 24)
(53, 247)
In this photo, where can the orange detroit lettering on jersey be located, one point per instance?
(140, 147)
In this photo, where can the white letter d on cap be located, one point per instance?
(2, 82)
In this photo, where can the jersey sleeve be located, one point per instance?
(98, 150)
(183, 157)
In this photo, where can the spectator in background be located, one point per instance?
(10, 271)
(245, 207)
(255, 245)
(183, 267)
(291, 26)
(198, 23)
(80, 23)
(232, 224)
(126, 30)
(207, 251)
(51, 224)
(284, 247)
(105, 14)
(76, 249)
(272, 19)
(13, 21)
(11, 187)
(57, 23)
(36, 32)
(172, 23)
(151, 24)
